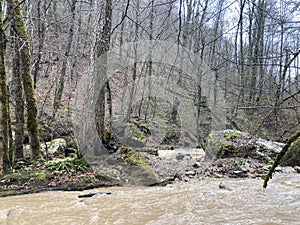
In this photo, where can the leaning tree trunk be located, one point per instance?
(4, 114)
(27, 80)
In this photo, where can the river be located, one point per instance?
(243, 201)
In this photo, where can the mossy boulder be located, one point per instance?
(131, 156)
(233, 143)
(137, 168)
(56, 147)
(292, 157)
(142, 175)
(134, 137)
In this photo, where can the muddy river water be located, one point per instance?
(242, 201)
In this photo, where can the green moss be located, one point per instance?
(292, 157)
(132, 157)
(15, 178)
(226, 144)
(6, 192)
(137, 134)
(229, 136)
(107, 136)
(32, 115)
(40, 176)
(67, 164)
(226, 149)
(4, 111)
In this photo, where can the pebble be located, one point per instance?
(190, 173)
(222, 185)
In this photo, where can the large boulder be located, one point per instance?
(56, 147)
(136, 166)
(233, 143)
(292, 157)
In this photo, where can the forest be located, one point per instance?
(171, 70)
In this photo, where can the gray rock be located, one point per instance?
(180, 156)
(54, 147)
(233, 143)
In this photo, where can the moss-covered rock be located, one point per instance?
(133, 136)
(233, 143)
(292, 157)
(136, 166)
(56, 147)
(132, 157)
(142, 175)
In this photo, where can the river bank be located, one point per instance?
(72, 174)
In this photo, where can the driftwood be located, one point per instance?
(88, 195)
(285, 149)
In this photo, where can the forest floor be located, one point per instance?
(63, 174)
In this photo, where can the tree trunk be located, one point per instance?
(4, 108)
(19, 108)
(61, 85)
(27, 80)
(41, 35)
(102, 47)
(18, 89)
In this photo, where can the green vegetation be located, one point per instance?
(229, 136)
(132, 157)
(58, 174)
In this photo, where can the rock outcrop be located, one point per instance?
(233, 143)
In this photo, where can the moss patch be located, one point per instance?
(292, 157)
(132, 157)
(136, 166)
(230, 136)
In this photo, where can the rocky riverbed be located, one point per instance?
(236, 155)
